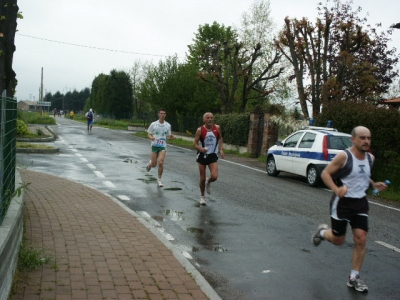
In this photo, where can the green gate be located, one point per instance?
(8, 133)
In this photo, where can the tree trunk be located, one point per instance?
(8, 26)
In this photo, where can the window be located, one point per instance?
(308, 140)
(339, 142)
(292, 141)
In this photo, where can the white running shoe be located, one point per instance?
(159, 183)
(203, 200)
(208, 187)
(148, 166)
(316, 238)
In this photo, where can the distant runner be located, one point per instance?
(158, 132)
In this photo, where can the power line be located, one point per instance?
(91, 47)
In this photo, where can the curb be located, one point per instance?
(31, 150)
(39, 140)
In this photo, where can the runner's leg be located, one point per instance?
(160, 160)
(202, 184)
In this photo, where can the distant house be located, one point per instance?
(27, 105)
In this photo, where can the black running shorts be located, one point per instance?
(203, 159)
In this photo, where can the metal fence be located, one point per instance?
(8, 133)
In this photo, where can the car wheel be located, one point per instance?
(271, 167)
(312, 176)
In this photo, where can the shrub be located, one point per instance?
(22, 128)
(235, 128)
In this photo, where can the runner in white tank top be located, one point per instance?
(349, 203)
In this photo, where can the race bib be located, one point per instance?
(160, 143)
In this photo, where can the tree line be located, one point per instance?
(337, 57)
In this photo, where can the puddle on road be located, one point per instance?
(195, 230)
(130, 160)
(206, 240)
(219, 248)
(158, 218)
(175, 215)
(148, 180)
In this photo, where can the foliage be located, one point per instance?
(138, 75)
(234, 127)
(23, 145)
(70, 101)
(176, 88)
(383, 123)
(35, 118)
(30, 258)
(341, 58)
(112, 94)
(22, 128)
(8, 27)
(231, 68)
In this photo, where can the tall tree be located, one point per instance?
(338, 58)
(176, 87)
(216, 51)
(119, 94)
(260, 64)
(8, 26)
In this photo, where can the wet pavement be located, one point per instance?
(98, 249)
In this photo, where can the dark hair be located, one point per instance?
(162, 109)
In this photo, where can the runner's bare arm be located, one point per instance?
(331, 169)
(196, 141)
(221, 142)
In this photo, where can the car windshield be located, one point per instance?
(339, 142)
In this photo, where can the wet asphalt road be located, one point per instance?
(252, 240)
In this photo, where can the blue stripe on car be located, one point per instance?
(301, 154)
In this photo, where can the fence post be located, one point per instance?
(2, 136)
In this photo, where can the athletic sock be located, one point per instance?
(322, 232)
(354, 274)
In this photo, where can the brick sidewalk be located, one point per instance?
(98, 249)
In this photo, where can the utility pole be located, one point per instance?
(41, 94)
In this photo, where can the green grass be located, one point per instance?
(36, 118)
(33, 146)
(30, 258)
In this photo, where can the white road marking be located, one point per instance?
(254, 169)
(123, 197)
(187, 255)
(388, 246)
(78, 154)
(99, 174)
(91, 166)
(385, 206)
(74, 150)
(155, 224)
(84, 159)
(109, 184)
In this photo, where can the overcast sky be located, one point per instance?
(136, 30)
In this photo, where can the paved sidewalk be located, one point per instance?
(99, 249)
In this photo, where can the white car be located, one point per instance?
(307, 152)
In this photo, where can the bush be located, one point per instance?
(35, 118)
(384, 125)
(22, 128)
(235, 128)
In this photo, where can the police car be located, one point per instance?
(307, 152)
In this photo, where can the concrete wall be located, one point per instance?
(11, 233)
